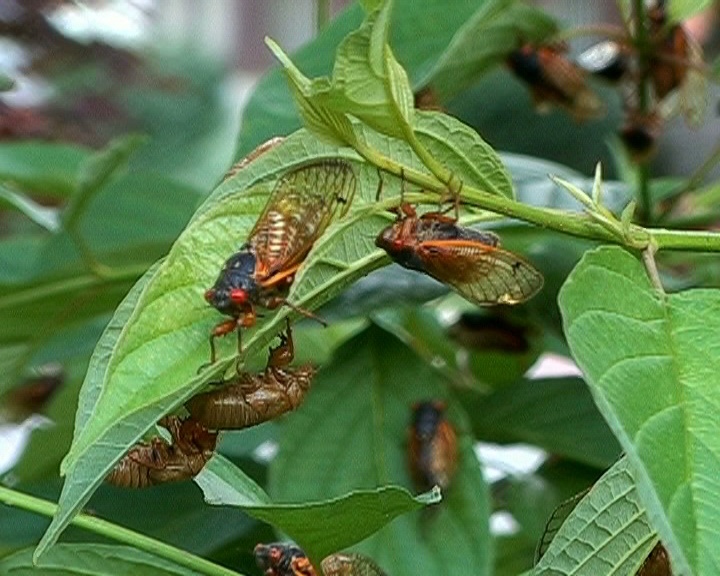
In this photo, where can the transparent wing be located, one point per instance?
(299, 209)
(481, 273)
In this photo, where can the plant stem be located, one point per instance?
(322, 15)
(110, 530)
(642, 44)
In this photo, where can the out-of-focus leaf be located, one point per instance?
(96, 559)
(513, 555)
(681, 10)
(645, 356)
(496, 28)
(607, 534)
(6, 83)
(557, 415)
(363, 400)
(95, 172)
(41, 215)
(321, 526)
(49, 169)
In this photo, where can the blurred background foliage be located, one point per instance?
(119, 117)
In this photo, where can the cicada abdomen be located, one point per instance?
(350, 564)
(433, 446)
(251, 399)
(657, 563)
(281, 559)
(159, 461)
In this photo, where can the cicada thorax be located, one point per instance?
(251, 399)
(350, 564)
(470, 261)
(554, 79)
(159, 461)
(300, 208)
(433, 446)
(282, 559)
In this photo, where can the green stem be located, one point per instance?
(322, 15)
(118, 533)
(572, 223)
(642, 43)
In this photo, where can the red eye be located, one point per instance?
(209, 295)
(238, 296)
(397, 244)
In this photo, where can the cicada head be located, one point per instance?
(399, 241)
(235, 289)
(525, 62)
(279, 559)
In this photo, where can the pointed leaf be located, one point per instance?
(649, 359)
(607, 534)
(41, 215)
(363, 401)
(320, 527)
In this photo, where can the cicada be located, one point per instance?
(468, 260)
(300, 207)
(554, 79)
(433, 446)
(254, 398)
(159, 461)
(280, 559)
(350, 564)
(657, 563)
(640, 134)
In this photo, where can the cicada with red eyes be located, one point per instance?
(281, 559)
(251, 399)
(350, 564)
(433, 446)
(554, 79)
(470, 261)
(160, 461)
(300, 208)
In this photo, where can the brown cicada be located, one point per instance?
(554, 79)
(468, 260)
(280, 559)
(350, 564)
(254, 398)
(299, 210)
(159, 461)
(433, 446)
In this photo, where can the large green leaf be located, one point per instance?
(607, 534)
(649, 359)
(351, 434)
(320, 527)
(91, 560)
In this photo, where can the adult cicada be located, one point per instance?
(553, 79)
(470, 261)
(281, 559)
(159, 461)
(250, 399)
(299, 209)
(350, 564)
(432, 446)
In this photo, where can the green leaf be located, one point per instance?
(41, 215)
(41, 166)
(96, 172)
(308, 95)
(497, 28)
(464, 152)
(91, 559)
(607, 534)
(681, 10)
(270, 110)
(367, 80)
(647, 359)
(319, 527)
(557, 415)
(363, 401)
(6, 83)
